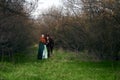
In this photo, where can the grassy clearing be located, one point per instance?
(61, 66)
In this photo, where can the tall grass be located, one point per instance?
(62, 65)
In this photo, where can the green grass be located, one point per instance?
(62, 65)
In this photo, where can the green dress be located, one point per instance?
(40, 50)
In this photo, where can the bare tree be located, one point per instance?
(99, 21)
(15, 26)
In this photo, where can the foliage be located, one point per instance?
(91, 25)
(16, 27)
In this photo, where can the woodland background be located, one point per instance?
(92, 26)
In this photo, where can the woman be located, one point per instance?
(42, 52)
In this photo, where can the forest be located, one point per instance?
(85, 25)
(78, 25)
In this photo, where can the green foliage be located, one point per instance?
(63, 65)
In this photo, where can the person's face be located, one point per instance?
(42, 35)
(47, 37)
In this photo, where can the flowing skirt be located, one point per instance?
(45, 53)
